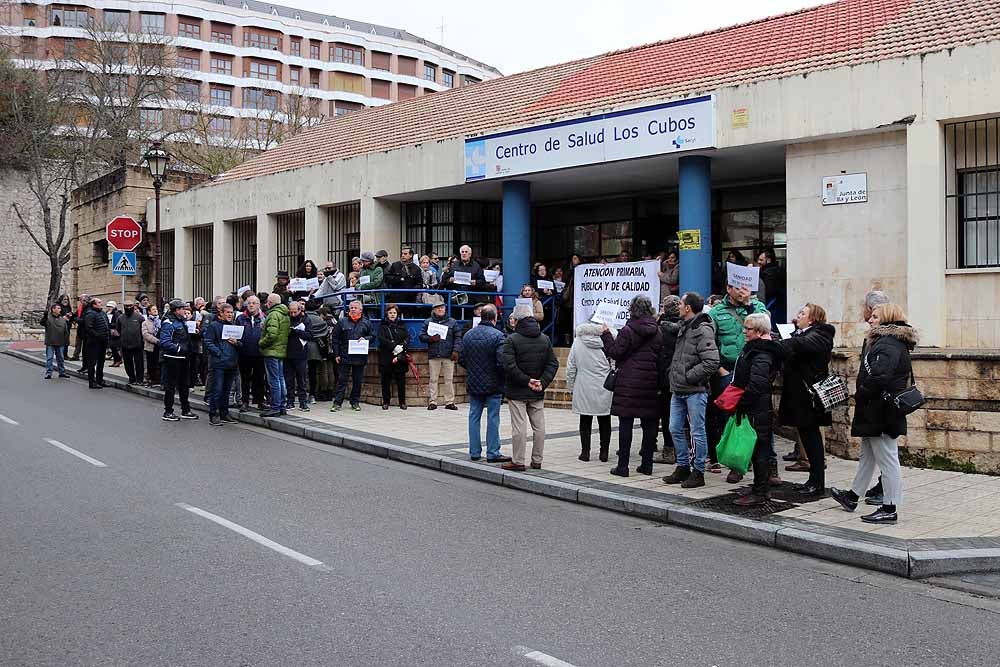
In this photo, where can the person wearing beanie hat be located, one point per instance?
(371, 278)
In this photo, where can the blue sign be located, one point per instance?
(123, 263)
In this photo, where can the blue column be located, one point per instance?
(695, 193)
(516, 235)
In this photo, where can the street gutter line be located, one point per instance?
(541, 658)
(79, 455)
(256, 537)
(8, 420)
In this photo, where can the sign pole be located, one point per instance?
(123, 291)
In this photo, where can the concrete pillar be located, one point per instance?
(222, 258)
(925, 237)
(516, 235)
(316, 241)
(694, 184)
(381, 227)
(267, 255)
(183, 264)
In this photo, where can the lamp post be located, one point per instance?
(156, 160)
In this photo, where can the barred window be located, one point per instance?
(972, 170)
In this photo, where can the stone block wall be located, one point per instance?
(417, 394)
(958, 428)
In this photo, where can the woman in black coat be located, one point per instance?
(392, 336)
(807, 361)
(636, 353)
(885, 371)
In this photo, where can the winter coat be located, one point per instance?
(130, 330)
(472, 267)
(636, 352)
(274, 337)
(670, 280)
(482, 357)
(253, 327)
(728, 318)
(376, 275)
(404, 275)
(807, 361)
(443, 348)
(97, 327)
(696, 358)
(113, 331)
(329, 287)
(348, 330)
(318, 346)
(298, 339)
(221, 353)
(527, 354)
(755, 369)
(150, 338)
(885, 367)
(669, 328)
(586, 370)
(282, 291)
(537, 308)
(175, 342)
(391, 334)
(56, 330)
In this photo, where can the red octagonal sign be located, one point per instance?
(124, 233)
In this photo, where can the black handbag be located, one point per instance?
(907, 401)
(609, 381)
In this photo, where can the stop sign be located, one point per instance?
(124, 233)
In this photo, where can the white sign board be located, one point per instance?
(357, 346)
(364, 280)
(303, 284)
(435, 329)
(598, 285)
(525, 301)
(545, 284)
(746, 277)
(845, 189)
(243, 290)
(462, 278)
(786, 330)
(192, 326)
(673, 127)
(232, 331)
(490, 275)
(560, 285)
(607, 313)
(476, 321)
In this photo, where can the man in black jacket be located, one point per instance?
(404, 274)
(529, 365)
(464, 265)
(96, 342)
(129, 328)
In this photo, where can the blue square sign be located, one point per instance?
(123, 263)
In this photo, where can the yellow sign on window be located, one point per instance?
(690, 239)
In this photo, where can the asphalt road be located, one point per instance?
(130, 563)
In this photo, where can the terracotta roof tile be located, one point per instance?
(847, 32)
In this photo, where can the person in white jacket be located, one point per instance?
(333, 282)
(586, 371)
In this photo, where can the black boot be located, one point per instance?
(603, 455)
(680, 474)
(584, 446)
(584, 454)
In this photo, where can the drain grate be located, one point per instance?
(724, 504)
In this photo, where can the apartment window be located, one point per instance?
(405, 91)
(69, 18)
(430, 72)
(115, 20)
(314, 78)
(257, 69)
(117, 85)
(190, 28)
(381, 61)
(221, 126)
(972, 195)
(295, 76)
(448, 78)
(407, 66)
(262, 100)
(153, 24)
(263, 129)
(151, 119)
(261, 40)
(222, 34)
(347, 54)
(70, 49)
(189, 61)
(296, 46)
(221, 96)
(150, 54)
(381, 89)
(314, 50)
(189, 91)
(187, 120)
(342, 108)
(118, 54)
(351, 83)
(222, 65)
(29, 48)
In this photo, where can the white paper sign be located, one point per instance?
(301, 326)
(742, 276)
(357, 346)
(192, 326)
(490, 275)
(618, 284)
(243, 290)
(524, 301)
(303, 284)
(607, 313)
(364, 280)
(560, 285)
(435, 329)
(786, 330)
(232, 331)
(476, 321)
(546, 284)
(463, 278)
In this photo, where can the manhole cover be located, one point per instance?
(724, 504)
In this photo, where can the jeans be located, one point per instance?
(357, 375)
(296, 382)
(134, 363)
(812, 442)
(881, 451)
(625, 424)
(54, 352)
(276, 380)
(492, 405)
(218, 395)
(175, 375)
(689, 409)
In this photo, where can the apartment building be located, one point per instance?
(241, 58)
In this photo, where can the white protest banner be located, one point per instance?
(560, 285)
(476, 321)
(462, 278)
(786, 330)
(598, 284)
(364, 280)
(546, 284)
(357, 346)
(490, 275)
(607, 313)
(745, 277)
(192, 326)
(232, 331)
(435, 329)
(524, 301)
(312, 283)
(297, 285)
(243, 290)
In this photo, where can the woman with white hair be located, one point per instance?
(586, 369)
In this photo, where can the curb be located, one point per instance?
(904, 562)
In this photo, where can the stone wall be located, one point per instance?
(959, 427)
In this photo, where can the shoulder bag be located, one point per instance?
(908, 400)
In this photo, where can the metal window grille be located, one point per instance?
(291, 228)
(343, 226)
(167, 266)
(245, 253)
(201, 254)
(441, 227)
(972, 192)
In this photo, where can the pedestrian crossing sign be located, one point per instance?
(123, 263)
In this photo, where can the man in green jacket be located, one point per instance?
(273, 344)
(372, 277)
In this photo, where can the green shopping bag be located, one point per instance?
(736, 447)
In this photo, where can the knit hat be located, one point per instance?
(671, 305)
(367, 256)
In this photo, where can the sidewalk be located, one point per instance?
(950, 522)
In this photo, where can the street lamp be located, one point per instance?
(156, 160)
